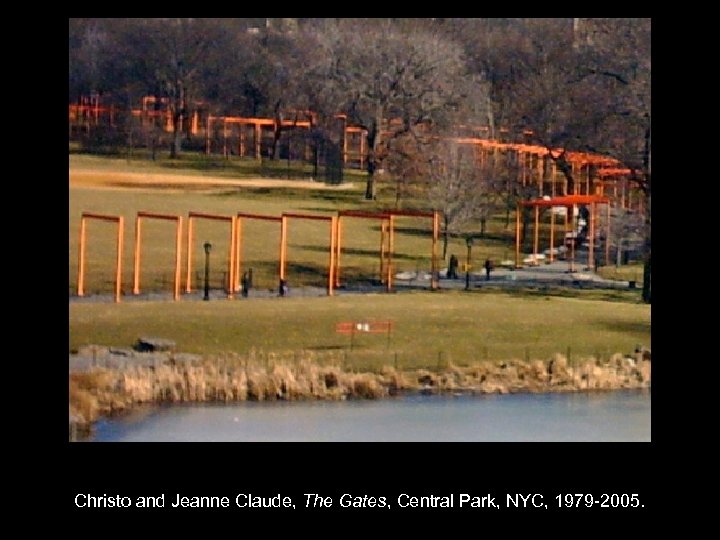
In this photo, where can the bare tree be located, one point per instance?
(627, 230)
(586, 87)
(388, 73)
(617, 59)
(459, 186)
(171, 57)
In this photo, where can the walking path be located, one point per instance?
(555, 274)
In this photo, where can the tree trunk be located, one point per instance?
(647, 244)
(525, 221)
(566, 169)
(445, 237)
(370, 190)
(176, 146)
(490, 116)
(277, 132)
(647, 274)
(372, 164)
(316, 158)
(646, 279)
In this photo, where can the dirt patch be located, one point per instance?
(100, 179)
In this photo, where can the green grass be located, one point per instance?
(307, 240)
(203, 165)
(430, 327)
(630, 272)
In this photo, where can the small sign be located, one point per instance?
(371, 327)
(365, 327)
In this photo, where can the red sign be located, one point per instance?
(368, 327)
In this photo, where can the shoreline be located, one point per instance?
(105, 382)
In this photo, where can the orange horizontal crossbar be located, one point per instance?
(89, 108)
(260, 121)
(613, 172)
(308, 216)
(104, 217)
(210, 216)
(241, 120)
(416, 213)
(568, 200)
(259, 216)
(169, 217)
(363, 214)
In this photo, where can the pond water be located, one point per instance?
(619, 416)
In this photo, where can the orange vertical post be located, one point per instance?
(383, 231)
(178, 259)
(283, 245)
(573, 230)
(591, 244)
(517, 236)
(434, 262)
(338, 234)
(331, 262)
(136, 273)
(577, 185)
(207, 135)
(541, 174)
(241, 149)
(552, 234)
(589, 171)
(391, 247)
(238, 253)
(607, 237)
(536, 232)
(231, 259)
(118, 271)
(188, 277)
(225, 149)
(257, 140)
(81, 261)
(345, 139)
(362, 148)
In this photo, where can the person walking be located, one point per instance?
(452, 267)
(488, 268)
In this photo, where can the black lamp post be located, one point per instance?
(208, 247)
(469, 243)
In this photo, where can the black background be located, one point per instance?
(332, 469)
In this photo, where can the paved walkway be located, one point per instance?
(556, 274)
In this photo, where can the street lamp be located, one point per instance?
(208, 247)
(469, 243)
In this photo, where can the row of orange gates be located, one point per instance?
(386, 248)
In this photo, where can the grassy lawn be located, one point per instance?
(630, 272)
(307, 240)
(203, 166)
(429, 327)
